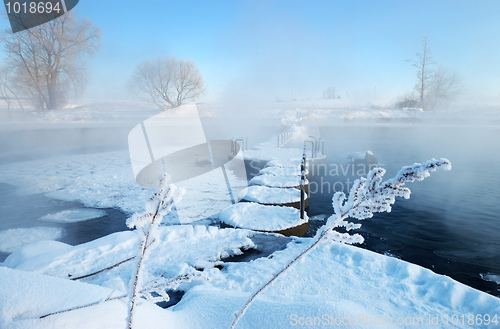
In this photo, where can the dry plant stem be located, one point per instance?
(144, 249)
(104, 269)
(167, 284)
(276, 276)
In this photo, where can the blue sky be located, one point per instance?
(269, 49)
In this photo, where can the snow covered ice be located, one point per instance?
(73, 216)
(12, 239)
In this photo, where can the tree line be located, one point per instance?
(46, 65)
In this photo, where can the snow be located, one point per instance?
(34, 252)
(282, 171)
(337, 280)
(22, 304)
(14, 238)
(334, 279)
(268, 150)
(290, 163)
(318, 217)
(267, 154)
(73, 216)
(258, 217)
(106, 180)
(99, 180)
(491, 277)
(109, 112)
(180, 248)
(270, 195)
(277, 181)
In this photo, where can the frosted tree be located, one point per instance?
(422, 63)
(367, 196)
(48, 61)
(167, 82)
(147, 224)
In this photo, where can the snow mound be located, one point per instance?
(13, 239)
(34, 251)
(291, 163)
(72, 261)
(23, 304)
(270, 195)
(334, 282)
(491, 277)
(282, 171)
(258, 217)
(74, 216)
(277, 181)
(182, 249)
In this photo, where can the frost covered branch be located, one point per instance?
(366, 197)
(101, 270)
(370, 195)
(167, 284)
(147, 224)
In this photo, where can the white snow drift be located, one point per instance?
(258, 217)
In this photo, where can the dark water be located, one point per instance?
(20, 211)
(451, 223)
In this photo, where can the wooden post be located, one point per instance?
(302, 182)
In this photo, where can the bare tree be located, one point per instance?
(445, 87)
(330, 93)
(409, 99)
(434, 87)
(167, 82)
(423, 63)
(7, 89)
(48, 60)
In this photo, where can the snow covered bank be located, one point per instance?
(183, 248)
(334, 282)
(22, 304)
(12, 239)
